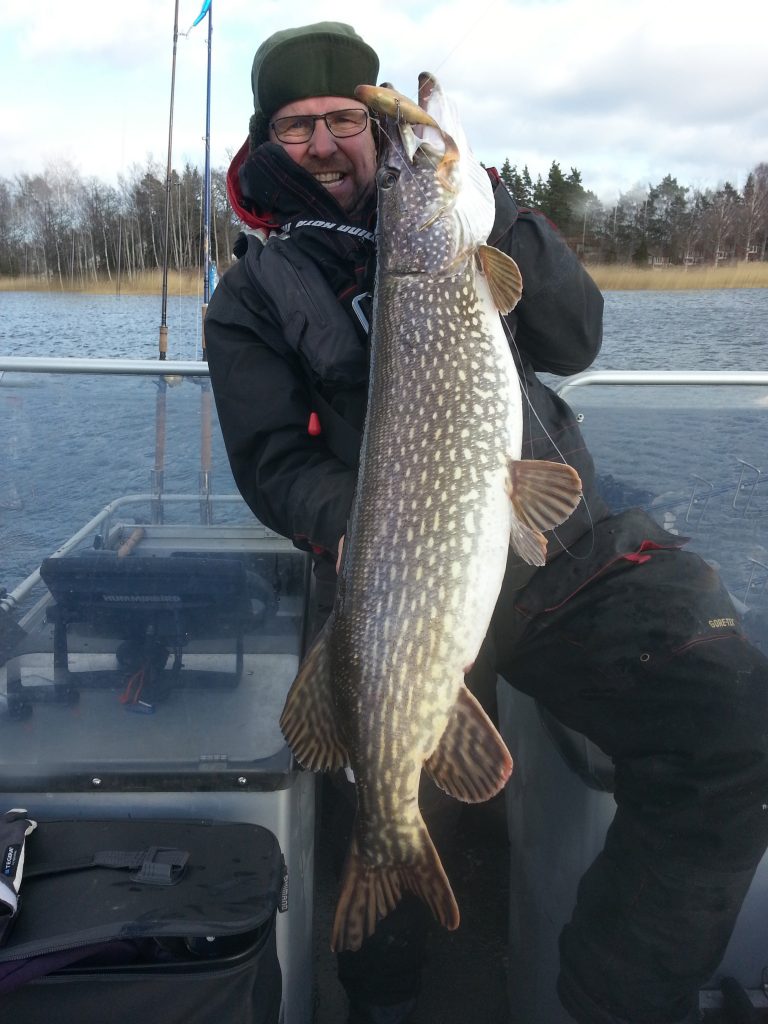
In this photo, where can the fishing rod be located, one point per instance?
(163, 341)
(207, 9)
(158, 473)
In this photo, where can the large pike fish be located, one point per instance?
(441, 495)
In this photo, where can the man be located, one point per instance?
(679, 700)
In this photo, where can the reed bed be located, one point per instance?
(607, 277)
(146, 283)
(624, 278)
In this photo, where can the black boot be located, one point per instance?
(371, 1013)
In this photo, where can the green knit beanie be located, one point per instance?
(325, 59)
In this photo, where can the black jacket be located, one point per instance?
(268, 382)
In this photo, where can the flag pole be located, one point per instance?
(207, 192)
(206, 512)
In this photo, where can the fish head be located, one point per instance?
(435, 199)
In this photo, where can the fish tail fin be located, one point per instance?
(368, 893)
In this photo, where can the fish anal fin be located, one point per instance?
(368, 893)
(503, 275)
(308, 721)
(471, 762)
(543, 495)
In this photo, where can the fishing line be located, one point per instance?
(462, 40)
(523, 382)
(405, 164)
(531, 414)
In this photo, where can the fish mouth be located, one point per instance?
(411, 125)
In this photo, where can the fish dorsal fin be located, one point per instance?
(471, 761)
(543, 495)
(308, 721)
(503, 275)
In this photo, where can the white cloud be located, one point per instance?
(622, 89)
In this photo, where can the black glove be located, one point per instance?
(14, 829)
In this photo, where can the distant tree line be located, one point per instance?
(72, 230)
(658, 224)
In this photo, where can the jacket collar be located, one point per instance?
(237, 200)
(267, 189)
(506, 208)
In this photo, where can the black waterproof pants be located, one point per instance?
(637, 645)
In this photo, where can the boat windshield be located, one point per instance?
(149, 624)
(692, 454)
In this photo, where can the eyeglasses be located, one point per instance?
(300, 127)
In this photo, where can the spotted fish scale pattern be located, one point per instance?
(440, 495)
(427, 540)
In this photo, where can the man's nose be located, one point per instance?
(322, 144)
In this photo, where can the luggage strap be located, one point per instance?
(157, 865)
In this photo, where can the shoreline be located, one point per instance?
(608, 277)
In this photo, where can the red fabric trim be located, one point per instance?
(235, 196)
(637, 557)
(319, 549)
(732, 634)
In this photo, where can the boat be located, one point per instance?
(150, 627)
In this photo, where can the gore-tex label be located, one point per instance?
(11, 858)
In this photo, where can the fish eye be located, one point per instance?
(388, 179)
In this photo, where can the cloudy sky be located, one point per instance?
(625, 90)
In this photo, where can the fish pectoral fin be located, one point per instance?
(308, 721)
(471, 762)
(543, 495)
(370, 892)
(503, 275)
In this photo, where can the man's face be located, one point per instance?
(345, 167)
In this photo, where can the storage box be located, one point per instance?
(164, 922)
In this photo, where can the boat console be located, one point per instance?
(150, 626)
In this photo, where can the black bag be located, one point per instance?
(15, 826)
(157, 922)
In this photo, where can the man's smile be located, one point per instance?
(328, 177)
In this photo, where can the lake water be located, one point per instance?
(695, 457)
(696, 330)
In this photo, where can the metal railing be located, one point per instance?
(153, 368)
(131, 367)
(746, 378)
